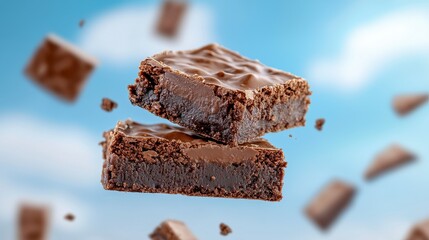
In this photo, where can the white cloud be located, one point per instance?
(127, 34)
(371, 47)
(60, 153)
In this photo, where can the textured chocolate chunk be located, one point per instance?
(172, 230)
(170, 17)
(329, 203)
(389, 159)
(60, 68)
(166, 159)
(224, 229)
(220, 94)
(69, 217)
(420, 231)
(108, 105)
(319, 124)
(33, 222)
(405, 104)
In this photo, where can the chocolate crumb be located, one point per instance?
(319, 124)
(81, 23)
(212, 178)
(69, 217)
(108, 105)
(290, 135)
(224, 229)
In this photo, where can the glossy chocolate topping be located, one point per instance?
(220, 66)
(134, 129)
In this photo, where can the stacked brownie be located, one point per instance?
(224, 103)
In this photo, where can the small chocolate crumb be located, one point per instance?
(108, 105)
(81, 23)
(319, 124)
(69, 217)
(290, 135)
(212, 178)
(224, 229)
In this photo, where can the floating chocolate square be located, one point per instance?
(172, 230)
(405, 104)
(329, 203)
(420, 231)
(392, 157)
(170, 18)
(60, 67)
(33, 222)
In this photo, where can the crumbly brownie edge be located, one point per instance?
(125, 154)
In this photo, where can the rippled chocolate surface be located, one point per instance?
(220, 66)
(134, 129)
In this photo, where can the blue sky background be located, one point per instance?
(380, 47)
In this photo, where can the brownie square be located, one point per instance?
(170, 18)
(167, 159)
(33, 222)
(329, 203)
(172, 230)
(220, 94)
(60, 67)
(392, 157)
(420, 231)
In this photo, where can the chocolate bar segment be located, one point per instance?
(60, 68)
(324, 209)
(220, 94)
(392, 157)
(172, 230)
(420, 231)
(405, 104)
(171, 17)
(166, 159)
(33, 222)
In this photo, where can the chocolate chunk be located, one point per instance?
(170, 17)
(33, 222)
(324, 209)
(108, 105)
(290, 135)
(172, 230)
(224, 229)
(182, 162)
(389, 159)
(420, 231)
(69, 217)
(60, 68)
(81, 23)
(405, 104)
(220, 94)
(319, 124)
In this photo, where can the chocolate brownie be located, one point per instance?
(33, 222)
(329, 203)
(389, 159)
(220, 94)
(420, 231)
(167, 159)
(172, 230)
(405, 104)
(224, 229)
(170, 18)
(60, 68)
(108, 105)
